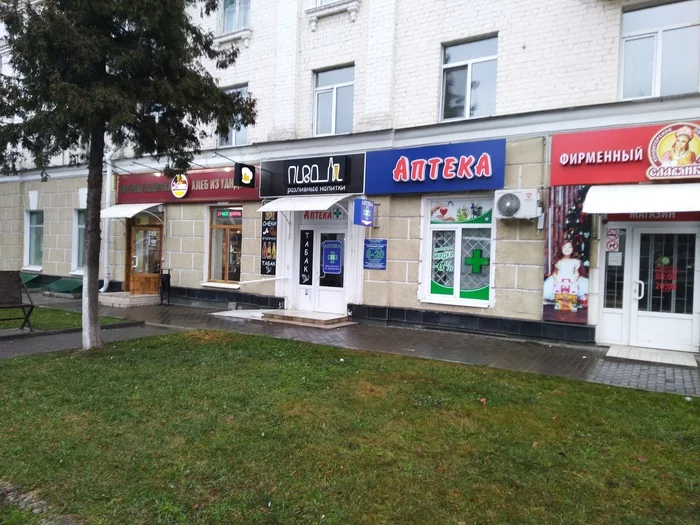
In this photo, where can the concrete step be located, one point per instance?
(307, 318)
(126, 300)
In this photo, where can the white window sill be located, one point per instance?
(35, 269)
(461, 119)
(223, 286)
(341, 6)
(238, 34)
(322, 135)
(77, 273)
(223, 146)
(456, 302)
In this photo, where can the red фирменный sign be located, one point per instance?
(617, 156)
(206, 185)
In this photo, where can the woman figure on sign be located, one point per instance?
(680, 153)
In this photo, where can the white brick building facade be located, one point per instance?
(552, 54)
(558, 70)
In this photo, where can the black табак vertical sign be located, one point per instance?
(268, 243)
(306, 257)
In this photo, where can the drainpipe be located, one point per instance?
(108, 202)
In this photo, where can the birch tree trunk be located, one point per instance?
(91, 275)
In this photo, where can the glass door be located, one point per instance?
(663, 289)
(330, 269)
(146, 260)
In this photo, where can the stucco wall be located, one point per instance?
(57, 198)
(12, 226)
(519, 248)
(186, 246)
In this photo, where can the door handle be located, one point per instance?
(134, 261)
(640, 290)
(641, 294)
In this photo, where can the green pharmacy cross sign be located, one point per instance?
(476, 261)
(332, 257)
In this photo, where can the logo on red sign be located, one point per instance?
(674, 152)
(179, 186)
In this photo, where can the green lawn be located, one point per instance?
(212, 427)
(14, 516)
(50, 319)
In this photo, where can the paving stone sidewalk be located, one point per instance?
(583, 363)
(41, 344)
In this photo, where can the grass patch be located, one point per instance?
(13, 516)
(214, 427)
(50, 319)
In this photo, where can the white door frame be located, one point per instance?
(630, 311)
(321, 293)
(288, 244)
(635, 314)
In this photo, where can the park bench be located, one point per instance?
(12, 288)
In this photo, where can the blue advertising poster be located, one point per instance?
(332, 257)
(364, 212)
(465, 166)
(375, 254)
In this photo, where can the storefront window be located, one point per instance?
(226, 239)
(79, 239)
(667, 271)
(460, 251)
(36, 238)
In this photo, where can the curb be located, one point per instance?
(128, 324)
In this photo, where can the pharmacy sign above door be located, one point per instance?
(464, 166)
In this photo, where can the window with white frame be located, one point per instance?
(236, 136)
(226, 237)
(469, 79)
(334, 97)
(661, 50)
(34, 238)
(457, 251)
(236, 15)
(78, 240)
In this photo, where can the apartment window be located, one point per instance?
(236, 15)
(335, 91)
(661, 50)
(79, 240)
(236, 137)
(34, 238)
(458, 251)
(469, 79)
(225, 249)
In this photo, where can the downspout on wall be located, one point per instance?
(108, 202)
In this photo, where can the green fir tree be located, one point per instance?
(88, 74)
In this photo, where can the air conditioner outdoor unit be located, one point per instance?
(517, 204)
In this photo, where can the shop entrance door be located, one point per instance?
(662, 283)
(322, 270)
(146, 253)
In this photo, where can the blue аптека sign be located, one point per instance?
(375, 254)
(364, 212)
(332, 252)
(465, 166)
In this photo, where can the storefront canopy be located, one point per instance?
(303, 203)
(642, 198)
(126, 211)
